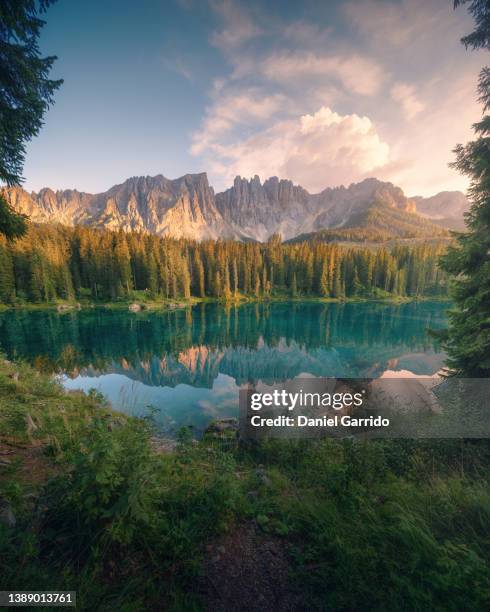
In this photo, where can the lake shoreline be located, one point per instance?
(153, 305)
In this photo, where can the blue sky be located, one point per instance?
(322, 93)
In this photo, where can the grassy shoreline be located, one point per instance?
(164, 304)
(335, 524)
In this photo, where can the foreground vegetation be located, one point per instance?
(379, 525)
(52, 263)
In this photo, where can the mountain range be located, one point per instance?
(187, 207)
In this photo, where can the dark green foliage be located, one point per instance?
(26, 91)
(117, 523)
(12, 224)
(25, 94)
(467, 341)
(59, 262)
(480, 11)
(380, 525)
(7, 281)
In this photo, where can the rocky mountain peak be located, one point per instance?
(188, 207)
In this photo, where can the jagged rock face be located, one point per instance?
(68, 207)
(182, 208)
(279, 206)
(188, 208)
(257, 210)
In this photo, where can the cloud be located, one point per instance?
(238, 26)
(400, 24)
(306, 33)
(180, 66)
(315, 150)
(357, 74)
(427, 147)
(405, 95)
(231, 109)
(270, 112)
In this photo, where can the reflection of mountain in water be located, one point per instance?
(199, 366)
(270, 342)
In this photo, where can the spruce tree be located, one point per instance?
(7, 282)
(235, 278)
(152, 274)
(25, 94)
(122, 264)
(198, 276)
(467, 340)
(227, 285)
(186, 281)
(257, 285)
(338, 290)
(323, 283)
(217, 284)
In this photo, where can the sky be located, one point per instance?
(321, 93)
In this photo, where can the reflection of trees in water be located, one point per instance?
(271, 337)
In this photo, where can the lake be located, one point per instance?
(189, 364)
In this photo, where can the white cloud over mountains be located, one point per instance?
(333, 102)
(231, 109)
(314, 150)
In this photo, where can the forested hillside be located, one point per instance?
(56, 262)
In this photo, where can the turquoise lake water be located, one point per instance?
(189, 364)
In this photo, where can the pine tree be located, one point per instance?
(217, 285)
(66, 289)
(467, 341)
(357, 287)
(323, 283)
(227, 285)
(25, 95)
(174, 287)
(331, 269)
(186, 281)
(257, 285)
(198, 278)
(7, 282)
(265, 282)
(152, 274)
(235, 278)
(309, 274)
(122, 263)
(338, 289)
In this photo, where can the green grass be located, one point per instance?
(377, 525)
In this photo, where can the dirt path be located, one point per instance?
(246, 571)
